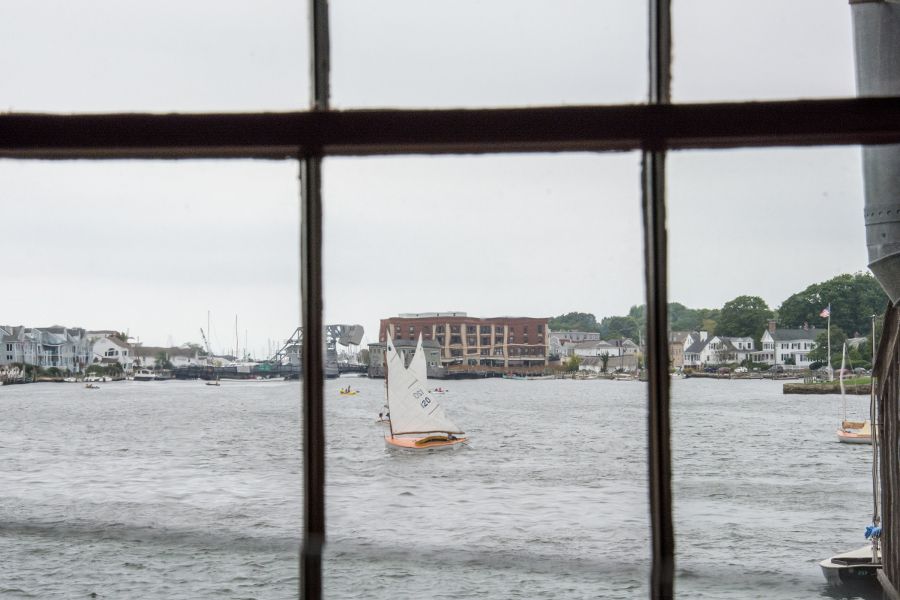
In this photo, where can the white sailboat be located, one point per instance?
(417, 420)
(852, 432)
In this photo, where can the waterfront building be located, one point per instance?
(464, 340)
(107, 347)
(788, 348)
(611, 348)
(145, 356)
(407, 348)
(66, 349)
(694, 343)
(676, 348)
(596, 349)
(721, 350)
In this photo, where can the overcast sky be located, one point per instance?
(151, 247)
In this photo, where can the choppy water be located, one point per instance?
(180, 490)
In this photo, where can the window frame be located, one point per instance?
(653, 129)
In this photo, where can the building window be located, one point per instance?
(485, 340)
(455, 339)
(470, 328)
(485, 329)
(440, 329)
(454, 329)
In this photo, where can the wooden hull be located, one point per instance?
(423, 443)
(849, 437)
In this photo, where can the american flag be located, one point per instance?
(826, 312)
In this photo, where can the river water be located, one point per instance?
(181, 490)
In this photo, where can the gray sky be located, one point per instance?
(151, 247)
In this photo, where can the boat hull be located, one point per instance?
(848, 437)
(423, 444)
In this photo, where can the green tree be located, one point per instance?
(619, 327)
(162, 360)
(573, 363)
(853, 299)
(820, 353)
(745, 316)
(574, 321)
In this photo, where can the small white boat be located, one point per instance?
(417, 420)
(855, 432)
(144, 375)
(856, 566)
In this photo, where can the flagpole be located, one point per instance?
(828, 353)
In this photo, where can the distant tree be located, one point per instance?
(619, 327)
(604, 360)
(573, 363)
(162, 360)
(195, 347)
(709, 325)
(745, 316)
(821, 353)
(574, 321)
(853, 298)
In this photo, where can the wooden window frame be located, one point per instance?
(653, 129)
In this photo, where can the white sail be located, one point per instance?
(412, 408)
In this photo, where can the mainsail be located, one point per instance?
(412, 408)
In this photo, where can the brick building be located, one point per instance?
(465, 340)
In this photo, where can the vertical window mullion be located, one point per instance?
(656, 274)
(313, 327)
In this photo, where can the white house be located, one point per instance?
(145, 356)
(694, 343)
(106, 349)
(596, 349)
(724, 350)
(787, 347)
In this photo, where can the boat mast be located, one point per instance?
(387, 388)
(873, 414)
(841, 379)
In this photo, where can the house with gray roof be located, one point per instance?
(67, 349)
(721, 350)
(788, 348)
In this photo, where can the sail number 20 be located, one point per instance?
(424, 401)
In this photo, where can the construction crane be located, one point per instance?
(208, 350)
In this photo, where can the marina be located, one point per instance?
(181, 490)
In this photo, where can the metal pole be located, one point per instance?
(828, 351)
(313, 329)
(656, 282)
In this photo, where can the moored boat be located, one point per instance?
(144, 375)
(851, 432)
(857, 566)
(855, 432)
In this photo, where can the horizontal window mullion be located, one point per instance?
(280, 135)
